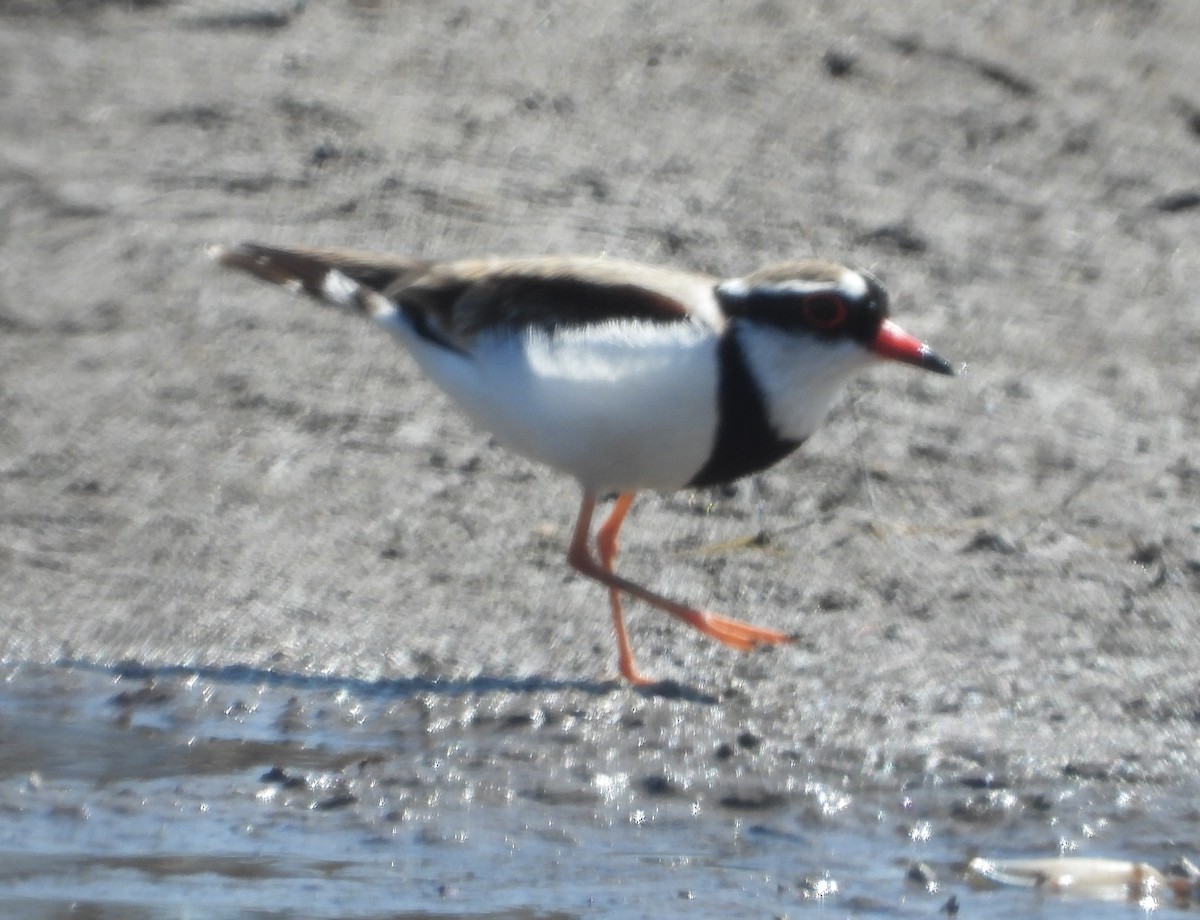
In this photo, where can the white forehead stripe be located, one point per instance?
(854, 284)
(735, 288)
(851, 285)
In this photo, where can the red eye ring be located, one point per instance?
(824, 312)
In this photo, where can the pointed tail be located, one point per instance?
(353, 281)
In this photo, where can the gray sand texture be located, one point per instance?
(999, 571)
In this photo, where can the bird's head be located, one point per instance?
(830, 303)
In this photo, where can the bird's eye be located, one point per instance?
(824, 312)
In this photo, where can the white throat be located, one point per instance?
(801, 377)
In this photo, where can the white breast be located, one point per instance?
(624, 405)
(801, 376)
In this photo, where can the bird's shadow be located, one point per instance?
(392, 688)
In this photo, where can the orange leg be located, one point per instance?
(734, 633)
(606, 545)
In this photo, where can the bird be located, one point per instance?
(624, 375)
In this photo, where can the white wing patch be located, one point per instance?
(340, 290)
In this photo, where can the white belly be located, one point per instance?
(627, 406)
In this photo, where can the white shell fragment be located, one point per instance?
(1086, 877)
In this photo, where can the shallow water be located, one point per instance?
(136, 793)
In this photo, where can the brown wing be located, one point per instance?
(450, 303)
(463, 299)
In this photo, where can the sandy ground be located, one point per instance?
(1000, 569)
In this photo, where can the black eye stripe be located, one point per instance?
(828, 309)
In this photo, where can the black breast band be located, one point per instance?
(745, 442)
